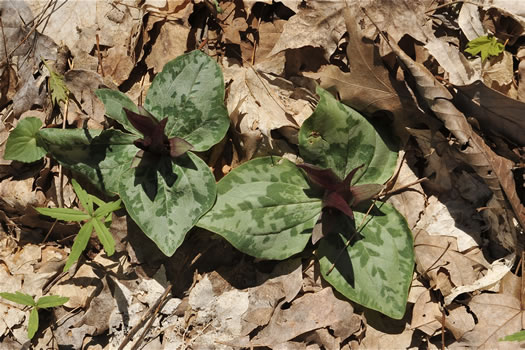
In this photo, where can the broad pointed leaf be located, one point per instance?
(337, 137)
(265, 208)
(190, 93)
(102, 157)
(22, 144)
(166, 197)
(375, 270)
(115, 102)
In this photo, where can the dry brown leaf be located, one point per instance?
(470, 22)
(169, 44)
(438, 258)
(310, 312)
(498, 315)
(498, 74)
(369, 87)
(82, 85)
(495, 112)
(410, 202)
(426, 315)
(320, 24)
(454, 218)
(493, 169)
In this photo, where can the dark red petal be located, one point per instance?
(322, 177)
(179, 146)
(364, 192)
(348, 179)
(336, 200)
(143, 124)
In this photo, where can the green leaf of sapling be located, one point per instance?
(65, 214)
(107, 208)
(51, 301)
(57, 86)
(32, 324)
(104, 236)
(80, 243)
(83, 197)
(486, 45)
(518, 336)
(19, 298)
(23, 143)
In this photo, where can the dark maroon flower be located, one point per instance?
(338, 195)
(155, 140)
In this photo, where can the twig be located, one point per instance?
(99, 56)
(150, 314)
(404, 187)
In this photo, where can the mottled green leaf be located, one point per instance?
(65, 214)
(101, 157)
(264, 208)
(19, 298)
(22, 144)
(375, 270)
(166, 197)
(336, 136)
(80, 243)
(115, 101)
(32, 324)
(104, 236)
(51, 301)
(190, 93)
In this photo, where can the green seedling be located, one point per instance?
(518, 336)
(22, 144)
(486, 45)
(271, 208)
(42, 303)
(57, 86)
(98, 219)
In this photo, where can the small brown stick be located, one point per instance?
(404, 187)
(150, 314)
(99, 56)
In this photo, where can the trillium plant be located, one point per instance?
(271, 208)
(164, 186)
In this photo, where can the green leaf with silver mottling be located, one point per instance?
(190, 93)
(23, 144)
(265, 208)
(375, 270)
(101, 157)
(166, 197)
(115, 101)
(337, 137)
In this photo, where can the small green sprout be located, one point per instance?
(98, 219)
(42, 303)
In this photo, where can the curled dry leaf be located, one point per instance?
(492, 168)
